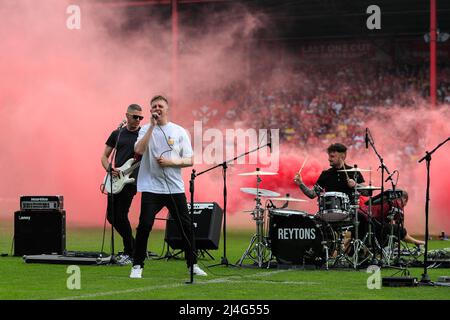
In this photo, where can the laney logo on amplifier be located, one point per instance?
(296, 234)
(25, 218)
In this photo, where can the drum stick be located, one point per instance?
(304, 162)
(343, 166)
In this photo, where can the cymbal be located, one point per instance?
(288, 199)
(250, 211)
(355, 170)
(261, 192)
(258, 173)
(368, 188)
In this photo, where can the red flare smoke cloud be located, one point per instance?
(63, 91)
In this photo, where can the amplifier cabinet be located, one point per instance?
(207, 226)
(39, 232)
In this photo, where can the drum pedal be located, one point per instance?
(399, 282)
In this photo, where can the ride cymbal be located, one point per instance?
(260, 192)
(354, 170)
(288, 199)
(258, 173)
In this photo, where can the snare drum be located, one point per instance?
(297, 238)
(334, 206)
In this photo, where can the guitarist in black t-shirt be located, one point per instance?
(123, 196)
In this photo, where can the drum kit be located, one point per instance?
(297, 238)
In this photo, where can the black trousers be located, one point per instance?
(119, 216)
(151, 204)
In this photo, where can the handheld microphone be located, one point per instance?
(367, 138)
(124, 122)
(155, 116)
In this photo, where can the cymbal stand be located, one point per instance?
(269, 205)
(257, 249)
(392, 254)
(388, 251)
(357, 243)
(370, 235)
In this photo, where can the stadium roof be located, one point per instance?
(300, 19)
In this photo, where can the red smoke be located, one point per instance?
(421, 127)
(63, 91)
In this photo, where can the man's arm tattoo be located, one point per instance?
(308, 192)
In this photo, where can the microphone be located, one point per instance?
(269, 140)
(367, 138)
(124, 122)
(155, 116)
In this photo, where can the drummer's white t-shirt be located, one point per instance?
(151, 175)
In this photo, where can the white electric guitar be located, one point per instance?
(122, 179)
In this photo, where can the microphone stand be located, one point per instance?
(400, 216)
(383, 168)
(224, 165)
(111, 196)
(425, 277)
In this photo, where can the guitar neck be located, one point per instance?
(130, 169)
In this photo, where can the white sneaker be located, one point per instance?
(198, 271)
(136, 272)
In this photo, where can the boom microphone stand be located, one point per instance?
(369, 140)
(425, 277)
(224, 165)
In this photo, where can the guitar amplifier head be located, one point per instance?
(28, 203)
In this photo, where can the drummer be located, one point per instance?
(332, 180)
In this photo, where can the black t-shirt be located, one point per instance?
(333, 181)
(125, 146)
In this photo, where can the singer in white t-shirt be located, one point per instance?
(165, 148)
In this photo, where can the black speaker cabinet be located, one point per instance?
(207, 225)
(39, 232)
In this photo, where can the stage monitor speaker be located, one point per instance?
(39, 232)
(207, 226)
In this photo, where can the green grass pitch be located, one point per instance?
(165, 279)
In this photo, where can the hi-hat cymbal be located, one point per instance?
(250, 211)
(261, 192)
(355, 170)
(258, 173)
(368, 188)
(288, 199)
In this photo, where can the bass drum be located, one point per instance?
(297, 238)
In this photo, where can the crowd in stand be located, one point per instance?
(316, 104)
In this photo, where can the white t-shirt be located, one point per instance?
(151, 175)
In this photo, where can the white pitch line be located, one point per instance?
(230, 279)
